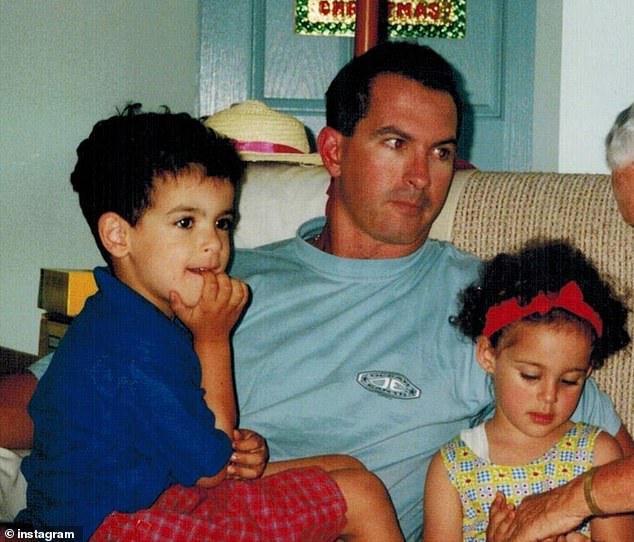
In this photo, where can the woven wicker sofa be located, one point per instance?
(485, 213)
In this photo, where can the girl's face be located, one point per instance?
(539, 370)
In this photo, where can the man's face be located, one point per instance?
(623, 186)
(391, 177)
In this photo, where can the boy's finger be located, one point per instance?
(177, 305)
(224, 288)
(247, 459)
(240, 472)
(239, 293)
(249, 446)
(210, 285)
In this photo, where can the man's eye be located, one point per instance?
(445, 154)
(225, 224)
(185, 223)
(395, 143)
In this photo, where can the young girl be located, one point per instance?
(542, 320)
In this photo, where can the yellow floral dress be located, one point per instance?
(477, 479)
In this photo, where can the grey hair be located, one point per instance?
(619, 143)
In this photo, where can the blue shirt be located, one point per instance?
(119, 414)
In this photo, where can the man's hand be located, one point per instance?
(221, 303)
(250, 455)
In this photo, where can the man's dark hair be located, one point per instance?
(118, 163)
(348, 96)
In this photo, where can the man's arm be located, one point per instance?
(16, 427)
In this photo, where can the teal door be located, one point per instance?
(249, 51)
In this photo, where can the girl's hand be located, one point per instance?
(250, 455)
(221, 304)
(501, 516)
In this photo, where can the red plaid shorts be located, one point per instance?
(296, 505)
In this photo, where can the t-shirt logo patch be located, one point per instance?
(389, 384)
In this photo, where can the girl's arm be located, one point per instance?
(616, 527)
(443, 509)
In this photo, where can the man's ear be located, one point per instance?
(329, 143)
(485, 354)
(114, 233)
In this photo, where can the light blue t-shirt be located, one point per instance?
(338, 355)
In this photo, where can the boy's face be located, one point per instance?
(185, 231)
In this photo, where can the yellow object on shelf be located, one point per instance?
(64, 291)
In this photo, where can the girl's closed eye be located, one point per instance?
(531, 377)
(572, 381)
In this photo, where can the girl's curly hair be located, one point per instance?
(545, 267)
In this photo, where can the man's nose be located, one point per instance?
(417, 173)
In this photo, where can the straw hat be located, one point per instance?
(263, 134)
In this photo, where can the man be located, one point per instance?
(349, 324)
(347, 345)
(608, 489)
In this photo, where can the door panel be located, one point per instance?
(249, 50)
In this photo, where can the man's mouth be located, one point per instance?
(408, 207)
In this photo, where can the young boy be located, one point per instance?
(133, 419)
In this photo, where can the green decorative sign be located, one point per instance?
(414, 19)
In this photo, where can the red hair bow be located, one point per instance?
(569, 298)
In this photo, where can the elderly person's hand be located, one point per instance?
(540, 518)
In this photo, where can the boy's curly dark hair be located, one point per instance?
(118, 163)
(545, 267)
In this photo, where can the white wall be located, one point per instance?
(597, 78)
(584, 77)
(547, 86)
(65, 64)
